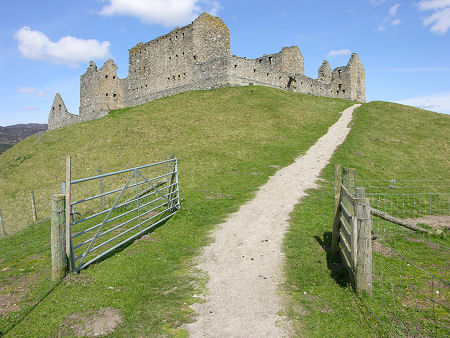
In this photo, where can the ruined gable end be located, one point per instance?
(292, 61)
(357, 78)
(211, 37)
(100, 90)
(59, 115)
(324, 72)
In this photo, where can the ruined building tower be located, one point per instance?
(197, 56)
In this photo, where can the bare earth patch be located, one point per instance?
(381, 249)
(100, 323)
(9, 303)
(17, 289)
(244, 263)
(439, 222)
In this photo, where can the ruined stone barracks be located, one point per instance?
(195, 57)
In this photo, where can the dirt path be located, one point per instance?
(244, 263)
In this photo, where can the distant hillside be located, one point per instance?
(16, 133)
(4, 147)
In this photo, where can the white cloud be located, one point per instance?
(165, 12)
(68, 50)
(433, 4)
(30, 91)
(390, 18)
(437, 102)
(439, 21)
(394, 9)
(333, 53)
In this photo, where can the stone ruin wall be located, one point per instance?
(197, 57)
(184, 59)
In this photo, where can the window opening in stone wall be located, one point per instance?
(179, 76)
(340, 86)
(170, 58)
(260, 60)
(106, 76)
(267, 74)
(195, 57)
(53, 108)
(114, 77)
(343, 91)
(182, 53)
(339, 72)
(279, 77)
(114, 95)
(235, 66)
(289, 84)
(183, 34)
(254, 70)
(106, 94)
(59, 106)
(184, 74)
(270, 60)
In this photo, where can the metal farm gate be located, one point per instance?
(138, 200)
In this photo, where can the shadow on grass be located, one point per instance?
(123, 246)
(334, 264)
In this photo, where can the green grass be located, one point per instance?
(227, 142)
(386, 141)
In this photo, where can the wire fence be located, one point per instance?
(410, 269)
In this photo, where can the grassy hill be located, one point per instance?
(203, 129)
(228, 141)
(387, 141)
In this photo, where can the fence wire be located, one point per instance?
(410, 269)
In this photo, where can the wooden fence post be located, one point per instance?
(171, 179)
(2, 225)
(58, 236)
(348, 179)
(337, 201)
(364, 246)
(101, 189)
(33, 207)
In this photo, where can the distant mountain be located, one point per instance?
(10, 135)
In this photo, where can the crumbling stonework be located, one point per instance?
(195, 57)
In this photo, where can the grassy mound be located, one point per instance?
(386, 141)
(228, 142)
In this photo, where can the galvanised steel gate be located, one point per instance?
(146, 197)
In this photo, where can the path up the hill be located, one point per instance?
(244, 261)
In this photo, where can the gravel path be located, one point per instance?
(244, 263)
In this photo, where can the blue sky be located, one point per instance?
(46, 45)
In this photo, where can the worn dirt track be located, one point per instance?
(244, 261)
